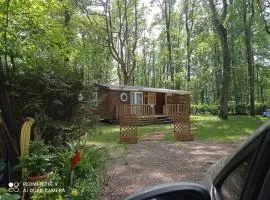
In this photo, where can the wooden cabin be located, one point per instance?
(149, 103)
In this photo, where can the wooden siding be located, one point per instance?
(108, 99)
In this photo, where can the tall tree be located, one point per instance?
(218, 22)
(122, 34)
(265, 14)
(166, 8)
(189, 21)
(248, 13)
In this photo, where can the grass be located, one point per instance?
(236, 128)
(204, 127)
(108, 135)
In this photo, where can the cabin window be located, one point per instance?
(136, 98)
(94, 98)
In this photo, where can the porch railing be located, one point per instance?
(171, 109)
(133, 109)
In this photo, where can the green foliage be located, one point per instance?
(204, 108)
(90, 174)
(4, 195)
(260, 108)
(234, 109)
(39, 160)
(241, 109)
(88, 178)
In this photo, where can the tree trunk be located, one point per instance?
(189, 26)
(168, 36)
(226, 74)
(249, 55)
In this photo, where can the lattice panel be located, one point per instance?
(182, 130)
(128, 129)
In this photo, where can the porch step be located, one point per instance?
(164, 120)
(150, 120)
(146, 121)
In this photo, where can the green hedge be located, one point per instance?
(239, 109)
(204, 108)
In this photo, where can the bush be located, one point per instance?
(203, 108)
(238, 109)
(241, 109)
(87, 179)
(213, 109)
(260, 108)
(90, 173)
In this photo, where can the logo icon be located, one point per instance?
(13, 187)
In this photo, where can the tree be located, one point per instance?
(166, 8)
(265, 14)
(248, 13)
(189, 21)
(223, 36)
(121, 25)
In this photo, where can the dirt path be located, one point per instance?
(149, 162)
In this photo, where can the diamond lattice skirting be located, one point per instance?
(128, 129)
(182, 129)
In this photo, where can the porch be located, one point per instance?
(146, 113)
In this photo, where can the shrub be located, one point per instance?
(39, 160)
(203, 108)
(90, 173)
(241, 109)
(213, 109)
(260, 108)
(87, 179)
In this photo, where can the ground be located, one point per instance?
(149, 163)
(137, 166)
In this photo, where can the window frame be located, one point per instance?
(265, 192)
(133, 96)
(236, 161)
(260, 152)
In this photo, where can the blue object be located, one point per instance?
(266, 114)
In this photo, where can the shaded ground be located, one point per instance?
(154, 162)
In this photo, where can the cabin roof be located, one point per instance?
(140, 89)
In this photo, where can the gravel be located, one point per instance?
(155, 162)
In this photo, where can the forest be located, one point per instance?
(217, 50)
(52, 51)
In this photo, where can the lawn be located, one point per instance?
(108, 135)
(237, 127)
(204, 127)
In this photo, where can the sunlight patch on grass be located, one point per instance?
(205, 127)
(213, 128)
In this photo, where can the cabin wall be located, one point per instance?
(108, 99)
(174, 98)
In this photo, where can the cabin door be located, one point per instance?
(160, 102)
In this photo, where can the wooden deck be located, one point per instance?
(146, 115)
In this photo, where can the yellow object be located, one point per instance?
(74, 192)
(59, 197)
(25, 138)
(25, 135)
